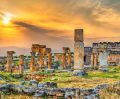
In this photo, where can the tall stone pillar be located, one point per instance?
(32, 62)
(21, 65)
(78, 53)
(49, 54)
(9, 61)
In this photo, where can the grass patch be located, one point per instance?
(114, 72)
(67, 80)
(8, 77)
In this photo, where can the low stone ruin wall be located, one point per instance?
(50, 90)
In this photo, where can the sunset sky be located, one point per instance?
(52, 22)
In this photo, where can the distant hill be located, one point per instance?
(18, 50)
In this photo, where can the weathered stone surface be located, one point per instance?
(21, 65)
(40, 86)
(66, 58)
(78, 56)
(114, 52)
(28, 90)
(78, 53)
(69, 93)
(9, 61)
(40, 93)
(49, 54)
(34, 83)
(94, 60)
(50, 85)
(79, 73)
(54, 93)
(32, 62)
(78, 35)
(103, 59)
(63, 61)
(50, 70)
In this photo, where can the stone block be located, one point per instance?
(78, 35)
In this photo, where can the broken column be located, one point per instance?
(94, 60)
(49, 54)
(103, 59)
(41, 55)
(35, 48)
(21, 66)
(69, 58)
(64, 58)
(9, 61)
(32, 62)
(78, 53)
(45, 57)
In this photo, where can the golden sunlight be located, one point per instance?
(7, 18)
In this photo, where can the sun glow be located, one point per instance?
(7, 18)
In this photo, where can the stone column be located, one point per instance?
(9, 61)
(94, 60)
(103, 59)
(64, 59)
(21, 65)
(44, 57)
(42, 51)
(69, 58)
(78, 53)
(32, 62)
(35, 49)
(41, 58)
(49, 54)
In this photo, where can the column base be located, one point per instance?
(79, 73)
(103, 68)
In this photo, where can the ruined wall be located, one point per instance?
(112, 52)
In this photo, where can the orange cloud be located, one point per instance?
(52, 22)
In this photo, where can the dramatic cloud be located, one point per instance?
(35, 28)
(52, 22)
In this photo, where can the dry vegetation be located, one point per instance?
(112, 92)
(16, 97)
(94, 78)
(77, 82)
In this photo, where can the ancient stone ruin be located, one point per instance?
(99, 56)
(49, 54)
(21, 66)
(79, 52)
(105, 54)
(66, 58)
(39, 52)
(9, 61)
